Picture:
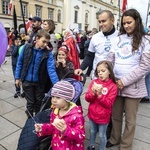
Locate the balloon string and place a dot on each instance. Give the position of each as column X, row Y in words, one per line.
column 19, row 96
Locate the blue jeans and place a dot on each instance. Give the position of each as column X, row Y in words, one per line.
column 14, row 69
column 147, row 82
column 101, row 129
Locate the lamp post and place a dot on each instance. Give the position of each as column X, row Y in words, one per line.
column 147, row 12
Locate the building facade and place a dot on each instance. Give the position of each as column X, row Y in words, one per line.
column 73, row 14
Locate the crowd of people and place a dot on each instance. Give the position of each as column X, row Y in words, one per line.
column 117, row 61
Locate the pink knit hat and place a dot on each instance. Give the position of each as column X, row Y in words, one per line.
column 64, row 90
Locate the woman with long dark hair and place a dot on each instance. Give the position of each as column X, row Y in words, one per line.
column 131, row 58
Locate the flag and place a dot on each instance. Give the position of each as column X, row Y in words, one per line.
column 15, row 20
column 124, row 5
column 9, row 7
column 28, row 23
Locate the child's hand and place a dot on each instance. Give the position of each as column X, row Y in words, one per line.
column 60, row 124
column 38, row 127
column 94, row 89
column 64, row 62
column 97, row 88
column 17, row 82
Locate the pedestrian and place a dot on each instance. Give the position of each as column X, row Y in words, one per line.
column 99, row 49
column 100, row 46
column 66, row 120
column 49, row 26
column 86, row 46
column 64, row 67
column 36, row 68
column 131, row 58
column 101, row 95
column 14, row 56
column 73, row 54
column 36, row 26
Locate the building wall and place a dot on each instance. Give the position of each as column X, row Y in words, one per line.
column 67, row 8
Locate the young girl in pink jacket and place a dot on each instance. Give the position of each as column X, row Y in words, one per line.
column 101, row 95
column 66, row 121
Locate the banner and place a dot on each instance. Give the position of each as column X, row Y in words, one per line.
column 9, row 7
column 124, row 5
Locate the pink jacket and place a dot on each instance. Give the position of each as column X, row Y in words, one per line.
column 74, row 135
column 134, row 82
column 100, row 108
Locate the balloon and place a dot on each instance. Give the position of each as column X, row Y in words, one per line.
column 3, row 43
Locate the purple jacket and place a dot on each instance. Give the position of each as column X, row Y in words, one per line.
column 74, row 135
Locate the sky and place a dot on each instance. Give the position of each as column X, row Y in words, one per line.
column 142, row 7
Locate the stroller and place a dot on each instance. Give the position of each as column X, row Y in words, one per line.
column 28, row 140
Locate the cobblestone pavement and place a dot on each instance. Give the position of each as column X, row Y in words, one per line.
column 12, row 116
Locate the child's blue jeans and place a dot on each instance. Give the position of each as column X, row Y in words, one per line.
column 101, row 129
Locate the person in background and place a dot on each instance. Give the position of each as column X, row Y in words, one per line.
column 64, row 67
column 81, row 45
column 49, row 26
column 36, row 26
column 101, row 95
column 59, row 39
column 14, row 56
column 73, row 54
column 36, row 68
column 86, row 46
column 130, row 55
column 66, row 120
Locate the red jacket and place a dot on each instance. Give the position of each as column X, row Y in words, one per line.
column 100, row 108
column 73, row 55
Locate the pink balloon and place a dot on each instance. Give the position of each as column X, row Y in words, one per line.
column 3, row 43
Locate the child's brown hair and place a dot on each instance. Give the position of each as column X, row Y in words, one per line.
column 43, row 33
column 109, row 66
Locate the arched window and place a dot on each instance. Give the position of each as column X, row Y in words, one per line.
column 59, row 16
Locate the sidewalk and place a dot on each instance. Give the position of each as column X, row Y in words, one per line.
column 12, row 116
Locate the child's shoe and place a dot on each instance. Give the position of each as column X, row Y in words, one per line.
column 22, row 94
column 16, row 94
column 91, row 148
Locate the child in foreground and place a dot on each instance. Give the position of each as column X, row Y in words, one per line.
column 66, row 120
column 101, row 95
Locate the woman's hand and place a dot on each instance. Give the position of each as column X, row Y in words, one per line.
column 120, row 84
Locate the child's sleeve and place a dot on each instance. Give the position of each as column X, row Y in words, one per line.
column 46, row 130
column 19, row 64
column 75, row 132
column 89, row 97
column 52, row 69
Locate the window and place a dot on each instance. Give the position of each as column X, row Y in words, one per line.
column 50, row 14
column 24, row 7
column 59, row 16
column 5, row 4
column 38, row 11
column 86, row 18
column 76, row 16
column 50, row 1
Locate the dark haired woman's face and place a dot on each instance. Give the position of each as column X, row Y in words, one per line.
column 128, row 24
column 46, row 26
